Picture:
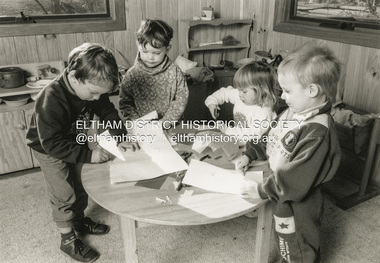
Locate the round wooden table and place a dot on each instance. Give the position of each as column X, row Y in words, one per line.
column 139, row 202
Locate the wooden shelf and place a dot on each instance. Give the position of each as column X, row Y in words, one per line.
column 218, row 22
column 211, row 31
column 362, row 189
column 17, row 91
column 217, row 47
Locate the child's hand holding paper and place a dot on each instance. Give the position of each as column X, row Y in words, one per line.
column 249, row 189
column 125, row 146
column 242, row 163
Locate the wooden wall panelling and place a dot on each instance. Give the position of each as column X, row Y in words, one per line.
column 54, row 53
column 64, row 45
column 31, row 46
column 185, row 10
column 364, row 91
column 2, row 51
column 174, row 16
column 90, row 38
column 157, row 8
column 169, row 13
column 230, row 9
column 10, row 51
column 22, row 49
column 42, row 48
column 371, row 79
column 261, row 30
column 71, row 41
column 136, row 13
column 122, row 44
column 80, row 38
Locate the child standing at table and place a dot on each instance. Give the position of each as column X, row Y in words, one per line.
column 69, row 100
column 154, row 82
column 303, row 154
column 253, row 96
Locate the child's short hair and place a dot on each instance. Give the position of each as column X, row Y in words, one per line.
column 261, row 78
column 157, row 33
column 93, row 62
column 314, row 64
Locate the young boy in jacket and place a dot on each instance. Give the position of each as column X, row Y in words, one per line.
column 303, row 152
column 63, row 110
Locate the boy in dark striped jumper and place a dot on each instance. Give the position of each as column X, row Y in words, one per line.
column 302, row 150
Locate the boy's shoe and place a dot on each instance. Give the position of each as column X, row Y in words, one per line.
column 87, row 226
column 79, row 251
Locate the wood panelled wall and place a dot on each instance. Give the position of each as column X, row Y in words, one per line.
column 360, row 82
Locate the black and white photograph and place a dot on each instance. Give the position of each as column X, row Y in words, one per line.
column 190, row 131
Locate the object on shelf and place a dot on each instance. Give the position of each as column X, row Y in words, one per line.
column 263, row 55
column 38, row 84
column 17, row 100
column 353, row 127
column 234, row 35
column 227, row 40
column 184, row 64
column 200, row 74
column 208, row 13
column 11, row 77
column 46, row 72
column 244, row 61
column 32, row 79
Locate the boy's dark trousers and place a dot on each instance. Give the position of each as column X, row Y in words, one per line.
column 68, row 198
column 297, row 228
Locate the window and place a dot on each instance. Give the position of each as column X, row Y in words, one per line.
column 352, row 22
column 35, row 17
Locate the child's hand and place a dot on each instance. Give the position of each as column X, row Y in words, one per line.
column 249, row 190
column 124, row 146
column 99, row 155
column 242, row 163
column 214, row 110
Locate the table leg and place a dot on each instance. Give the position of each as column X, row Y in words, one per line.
column 263, row 233
column 128, row 231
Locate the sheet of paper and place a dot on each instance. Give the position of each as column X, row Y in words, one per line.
column 106, row 141
column 207, row 200
column 213, row 178
column 110, row 145
column 155, row 158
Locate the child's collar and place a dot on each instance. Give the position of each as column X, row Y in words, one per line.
column 310, row 112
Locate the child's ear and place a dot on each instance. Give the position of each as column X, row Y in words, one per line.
column 71, row 75
column 168, row 48
column 313, row 90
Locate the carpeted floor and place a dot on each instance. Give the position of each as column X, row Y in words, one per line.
column 27, row 233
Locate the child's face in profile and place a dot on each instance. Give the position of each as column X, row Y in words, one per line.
column 248, row 96
column 152, row 56
column 295, row 95
column 90, row 91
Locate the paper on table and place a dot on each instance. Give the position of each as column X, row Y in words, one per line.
column 212, row 178
column 155, row 158
column 110, row 145
column 106, row 141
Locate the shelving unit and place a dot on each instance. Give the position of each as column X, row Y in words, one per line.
column 31, row 70
column 193, row 32
column 352, row 184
